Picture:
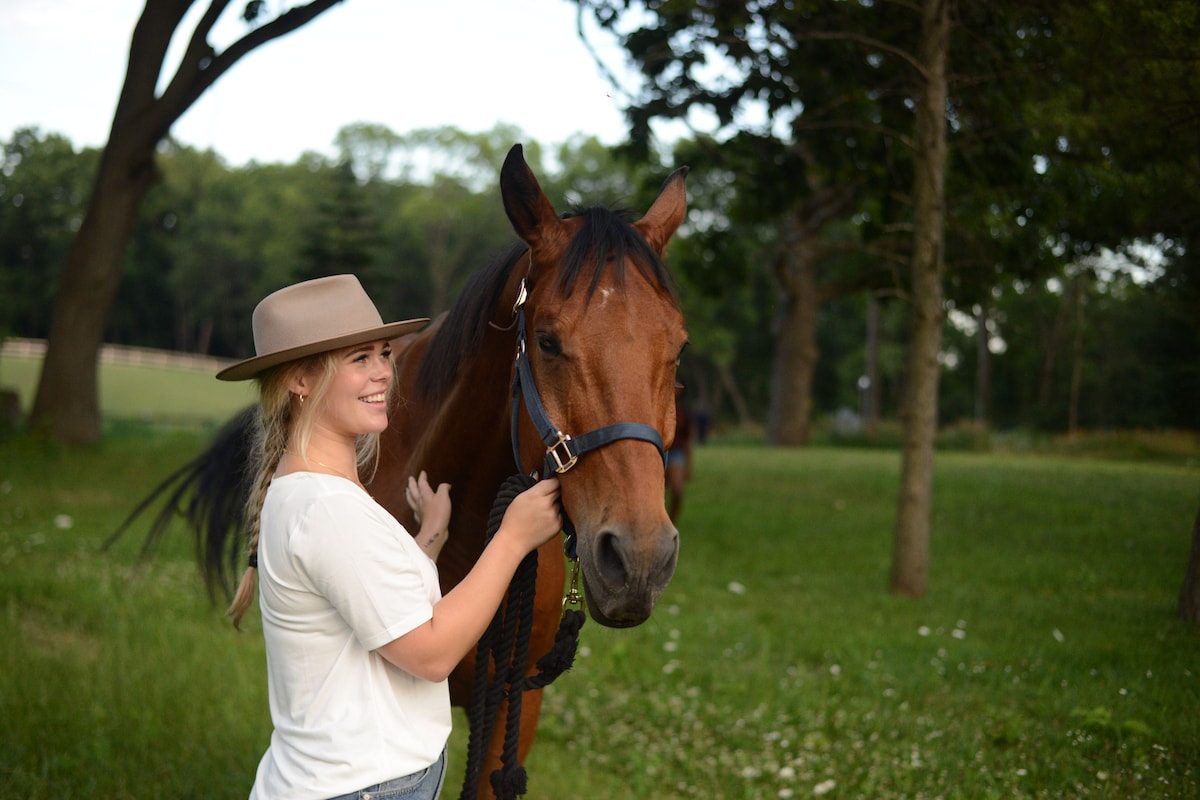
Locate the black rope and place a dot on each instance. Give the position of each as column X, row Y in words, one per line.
column 503, row 651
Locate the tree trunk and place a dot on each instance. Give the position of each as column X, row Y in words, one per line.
column 983, row 368
column 1077, row 290
column 872, row 392
column 1189, row 595
column 67, row 403
column 1049, row 357
column 796, row 353
column 729, row 384
column 910, row 555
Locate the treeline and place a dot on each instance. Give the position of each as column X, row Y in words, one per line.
column 1109, row 340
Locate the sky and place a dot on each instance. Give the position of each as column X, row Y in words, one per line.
column 407, row 65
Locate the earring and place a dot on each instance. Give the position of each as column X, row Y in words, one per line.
column 301, row 399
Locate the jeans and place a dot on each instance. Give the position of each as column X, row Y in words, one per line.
column 423, row 785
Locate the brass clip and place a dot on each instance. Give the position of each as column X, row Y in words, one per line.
column 573, row 597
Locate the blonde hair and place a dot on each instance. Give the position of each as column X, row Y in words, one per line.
column 284, row 418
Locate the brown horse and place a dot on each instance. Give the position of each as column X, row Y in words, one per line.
column 605, row 333
column 602, row 333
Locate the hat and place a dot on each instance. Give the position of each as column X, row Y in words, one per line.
column 313, row 317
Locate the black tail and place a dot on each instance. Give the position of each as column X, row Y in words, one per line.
column 210, row 493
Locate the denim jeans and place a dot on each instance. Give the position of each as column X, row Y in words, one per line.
column 423, row 785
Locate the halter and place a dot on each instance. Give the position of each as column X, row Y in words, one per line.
column 562, row 450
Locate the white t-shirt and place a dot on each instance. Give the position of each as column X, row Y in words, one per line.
column 338, row 578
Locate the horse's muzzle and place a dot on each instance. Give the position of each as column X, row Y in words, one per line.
column 624, row 573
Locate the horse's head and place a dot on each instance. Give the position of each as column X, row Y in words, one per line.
column 604, row 337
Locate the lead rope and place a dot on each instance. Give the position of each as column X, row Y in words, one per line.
column 503, row 650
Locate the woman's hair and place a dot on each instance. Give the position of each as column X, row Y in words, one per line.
column 286, row 419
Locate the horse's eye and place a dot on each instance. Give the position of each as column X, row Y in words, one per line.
column 549, row 344
column 679, row 357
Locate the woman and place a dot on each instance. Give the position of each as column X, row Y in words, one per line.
column 359, row 640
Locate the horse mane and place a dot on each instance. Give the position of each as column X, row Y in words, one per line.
column 605, row 233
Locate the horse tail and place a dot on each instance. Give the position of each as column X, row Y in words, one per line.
column 210, row 493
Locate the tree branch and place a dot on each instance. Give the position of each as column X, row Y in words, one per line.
column 202, row 66
column 869, row 41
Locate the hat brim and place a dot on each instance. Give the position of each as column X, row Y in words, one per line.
column 248, row 368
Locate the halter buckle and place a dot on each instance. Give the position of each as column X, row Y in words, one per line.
column 561, row 463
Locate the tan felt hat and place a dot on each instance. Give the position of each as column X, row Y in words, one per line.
column 313, row 317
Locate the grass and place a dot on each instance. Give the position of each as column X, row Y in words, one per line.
column 1046, row 660
column 140, row 393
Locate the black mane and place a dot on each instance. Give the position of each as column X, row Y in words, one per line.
column 605, row 234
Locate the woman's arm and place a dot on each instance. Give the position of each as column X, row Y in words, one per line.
column 432, row 650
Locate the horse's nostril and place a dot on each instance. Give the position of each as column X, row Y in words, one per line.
column 667, row 555
column 610, row 559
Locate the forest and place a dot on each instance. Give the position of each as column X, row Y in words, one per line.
column 1071, row 278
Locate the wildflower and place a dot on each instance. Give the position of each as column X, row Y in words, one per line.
column 736, row 587
column 1058, row 636
column 824, row 787
column 923, row 630
column 958, row 633
column 63, row 522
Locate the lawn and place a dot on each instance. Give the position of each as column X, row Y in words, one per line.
column 1046, row 660
column 132, row 392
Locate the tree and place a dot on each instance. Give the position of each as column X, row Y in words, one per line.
column 910, row 553
column 66, row 405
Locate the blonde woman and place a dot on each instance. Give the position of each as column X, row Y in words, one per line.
column 359, row 640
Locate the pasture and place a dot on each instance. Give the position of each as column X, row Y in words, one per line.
column 1046, row 661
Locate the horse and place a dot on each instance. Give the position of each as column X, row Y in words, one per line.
column 586, row 300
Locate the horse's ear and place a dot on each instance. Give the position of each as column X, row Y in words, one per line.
column 529, row 210
column 666, row 215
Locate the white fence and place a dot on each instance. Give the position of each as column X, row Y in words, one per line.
column 121, row 354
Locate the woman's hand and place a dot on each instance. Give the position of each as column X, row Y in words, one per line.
column 432, row 510
column 533, row 517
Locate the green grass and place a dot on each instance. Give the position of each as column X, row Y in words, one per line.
column 1046, row 660
column 128, row 392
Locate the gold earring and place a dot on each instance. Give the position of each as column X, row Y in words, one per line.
column 301, row 399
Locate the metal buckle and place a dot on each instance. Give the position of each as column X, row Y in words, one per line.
column 562, row 464
column 573, row 597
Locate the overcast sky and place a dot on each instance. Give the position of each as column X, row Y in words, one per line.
column 407, row 65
